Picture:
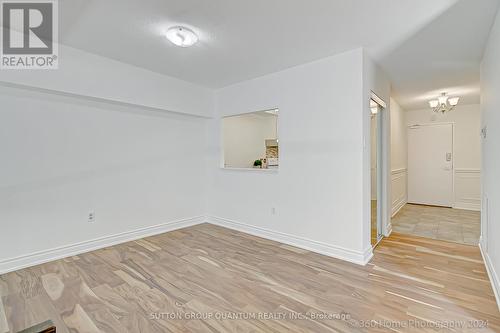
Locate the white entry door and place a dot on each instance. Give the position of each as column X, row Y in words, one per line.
column 430, row 164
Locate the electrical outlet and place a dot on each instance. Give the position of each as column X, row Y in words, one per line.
column 91, row 217
column 273, row 210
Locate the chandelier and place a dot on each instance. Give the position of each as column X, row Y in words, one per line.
column 443, row 103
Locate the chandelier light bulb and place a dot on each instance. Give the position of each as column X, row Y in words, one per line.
column 454, row 101
column 442, row 99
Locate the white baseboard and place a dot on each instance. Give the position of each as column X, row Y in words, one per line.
column 398, row 206
column 467, row 206
column 492, row 274
column 37, row 258
column 360, row 258
column 388, row 230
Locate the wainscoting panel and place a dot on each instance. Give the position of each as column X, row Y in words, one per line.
column 399, row 189
column 468, row 189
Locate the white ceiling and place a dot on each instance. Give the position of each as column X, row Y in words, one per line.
column 239, row 39
column 443, row 56
column 424, row 45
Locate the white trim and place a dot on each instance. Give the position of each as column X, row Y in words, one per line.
column 378, row 100
column 98, row 100
column 37, row 258
column 492, row 274
column 467, row 201
column 357, row 257
column 275, row 170
column 398, row 171
column 398, row 207
column 388, row 230
column 473, row 206
column 453, row 153
column 400, row 202
column 468, row 170
column 383, row 176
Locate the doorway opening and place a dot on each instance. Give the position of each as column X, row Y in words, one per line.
column 436, row 193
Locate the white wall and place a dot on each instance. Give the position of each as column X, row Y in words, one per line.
column 317, row 191
column 490, row 100
column 399, row 157
column 467, row 148
column 96, row 134
column 93, row 76
column 71, row 150
column 244, row 138
column 63, row 157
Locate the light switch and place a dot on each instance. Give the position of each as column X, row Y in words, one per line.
column 484, row 132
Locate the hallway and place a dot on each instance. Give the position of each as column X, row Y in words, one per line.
column 447, row 224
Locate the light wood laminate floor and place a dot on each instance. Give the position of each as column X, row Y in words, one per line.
column 215, row 271
column 448, row 224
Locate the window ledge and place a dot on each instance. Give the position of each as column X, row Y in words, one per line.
column 251, row 169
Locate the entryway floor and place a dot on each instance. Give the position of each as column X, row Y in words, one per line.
column 448, row 224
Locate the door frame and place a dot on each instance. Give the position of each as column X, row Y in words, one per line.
column 384, row 168
column 452, row 151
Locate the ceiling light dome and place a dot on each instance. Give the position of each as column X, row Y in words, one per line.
column 182, row 36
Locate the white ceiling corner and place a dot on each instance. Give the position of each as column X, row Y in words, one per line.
column 444, row 56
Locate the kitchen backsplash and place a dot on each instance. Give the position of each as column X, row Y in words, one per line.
column 271, row 152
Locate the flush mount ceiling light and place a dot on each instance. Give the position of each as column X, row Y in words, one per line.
column 444, row 103
column 182, row 36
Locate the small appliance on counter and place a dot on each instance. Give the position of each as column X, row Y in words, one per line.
column 272, row 163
